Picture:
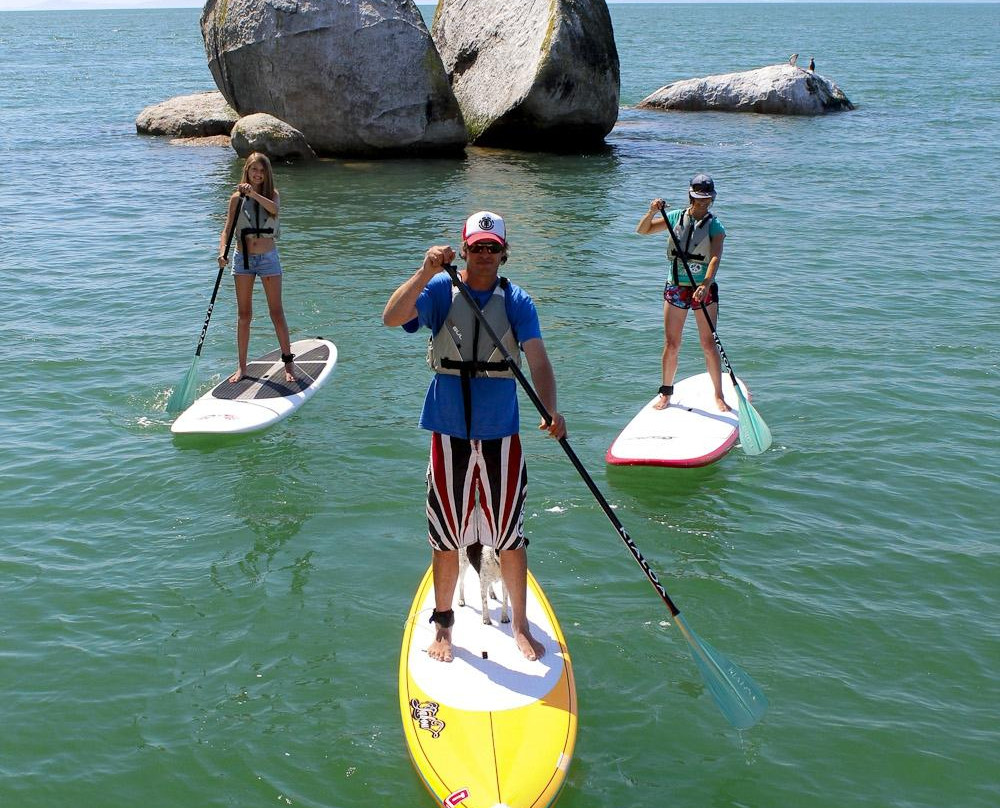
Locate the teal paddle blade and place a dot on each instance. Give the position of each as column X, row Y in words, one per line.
column 184, row 393
column 755, row 437
column 738, row 696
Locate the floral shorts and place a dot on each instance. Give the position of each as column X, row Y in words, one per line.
column 683, row 296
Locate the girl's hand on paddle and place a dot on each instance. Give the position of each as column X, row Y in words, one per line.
column 436, row 257
column 222, row 261
column 700, row 291
column 557, row 429
column 245, row 188
column 656, row 205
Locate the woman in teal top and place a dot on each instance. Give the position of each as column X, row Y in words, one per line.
column 700, row 235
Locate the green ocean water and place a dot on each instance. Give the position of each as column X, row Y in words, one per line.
column 218, row 623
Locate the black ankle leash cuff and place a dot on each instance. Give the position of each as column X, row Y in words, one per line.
column 666, row 389
column 287, row 357
column 445, row 619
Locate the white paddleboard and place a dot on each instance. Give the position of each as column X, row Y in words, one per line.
column 262, row 397
column 690, row 432
column 489, row 729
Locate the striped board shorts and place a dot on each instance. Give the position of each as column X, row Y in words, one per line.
column 475, row 493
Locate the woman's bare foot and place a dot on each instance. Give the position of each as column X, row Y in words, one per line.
column 720, row 402
column 662, row 402
column 440, row 649
column 239, row 374
column 528, row 645
column 289, row 375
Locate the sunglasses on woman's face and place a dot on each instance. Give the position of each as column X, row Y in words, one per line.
column 485, row 247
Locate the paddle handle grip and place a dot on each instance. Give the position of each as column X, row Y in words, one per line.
column 452, row 270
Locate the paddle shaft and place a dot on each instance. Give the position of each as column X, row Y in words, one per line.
column 704, row 308
column 563, row 442
column 218, row 278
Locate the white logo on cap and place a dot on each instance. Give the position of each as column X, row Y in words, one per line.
column 486, row 223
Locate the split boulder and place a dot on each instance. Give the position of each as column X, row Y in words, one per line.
column 531, row 74
column 198, row 115
column 266, row 134
column 354, row 76
column 777, row 90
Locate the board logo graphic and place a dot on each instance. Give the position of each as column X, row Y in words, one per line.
column 455, row 798
column 425, row 714
column 486, row 223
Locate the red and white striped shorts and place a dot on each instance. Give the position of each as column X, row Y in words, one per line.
column 475, row 493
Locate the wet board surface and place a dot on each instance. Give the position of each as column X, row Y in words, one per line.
column 262, row 397
column 490, row 728
column 690, row 432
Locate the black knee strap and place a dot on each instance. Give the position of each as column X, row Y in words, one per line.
column 445, row 619
column 666, row 389
column 287, row 357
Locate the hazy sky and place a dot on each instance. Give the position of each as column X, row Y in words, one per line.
column 15, row 5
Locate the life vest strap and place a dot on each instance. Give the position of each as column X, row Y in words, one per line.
column 256, row 232
column 474, row 366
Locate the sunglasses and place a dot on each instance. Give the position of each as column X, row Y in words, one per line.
column 485, row 247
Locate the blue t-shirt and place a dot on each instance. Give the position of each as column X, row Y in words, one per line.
column 494, row 401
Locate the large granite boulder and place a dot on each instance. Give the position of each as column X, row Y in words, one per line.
column 354, row 76
column 264, row 133
column 531, row 74
column 198, row 115
column 777, row 89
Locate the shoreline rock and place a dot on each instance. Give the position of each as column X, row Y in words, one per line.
column 265, row 133
column 188, row 116
column 776, row 90
column 539, row 74
column 355, row 78
column 209, row 140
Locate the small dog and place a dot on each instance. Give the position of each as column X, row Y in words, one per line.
column 486, row 562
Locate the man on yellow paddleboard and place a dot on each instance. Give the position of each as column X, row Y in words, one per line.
column 476, row 475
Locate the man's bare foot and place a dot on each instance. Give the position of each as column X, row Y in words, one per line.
column 528, row 645
column 720, row 402
column 239, row 374
column 440, row 649
column 662, row 402
column 289, row 375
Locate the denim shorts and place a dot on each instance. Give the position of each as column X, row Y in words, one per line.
column 266, row 264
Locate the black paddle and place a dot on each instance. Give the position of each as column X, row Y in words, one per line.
column 755, row 437
column 737, row 695
column 182, row 397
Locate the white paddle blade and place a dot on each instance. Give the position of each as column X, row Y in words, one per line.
column 755, row 437
column 737, row 695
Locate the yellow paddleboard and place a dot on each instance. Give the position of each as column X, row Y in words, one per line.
column 490, row 729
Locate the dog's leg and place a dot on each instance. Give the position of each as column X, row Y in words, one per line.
column 463, row 564
column 505, row 600
column 484, row 591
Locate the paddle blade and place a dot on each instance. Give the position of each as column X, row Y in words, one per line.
column 755, row 437
column 739, row 697
column 184, row 393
